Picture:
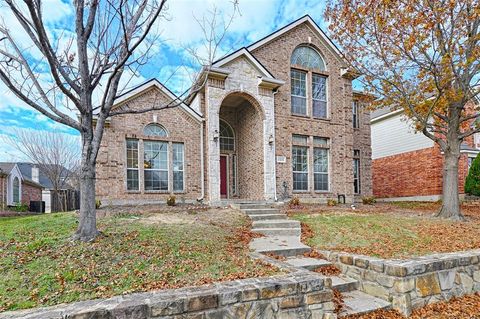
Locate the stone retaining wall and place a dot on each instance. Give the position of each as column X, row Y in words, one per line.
column 413, row 283
column 299, row 295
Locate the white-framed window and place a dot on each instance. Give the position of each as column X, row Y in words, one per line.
column 16, row 190
column 356, row 172
column 155, row 129
column 298, row 91
column 308, row 58
column 356, row 118
column 155, row 162
column 227, row 137
column 476, row 140
column 132, row 165
column 306, row 66
column 320, row 164
column 319, row 95
column 178, row 167
column 300, row 168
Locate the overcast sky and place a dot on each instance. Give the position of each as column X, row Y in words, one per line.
column 256, row 19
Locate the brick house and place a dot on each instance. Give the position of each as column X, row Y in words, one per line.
column 15, row 188
column 407, row 165
column 275, row 119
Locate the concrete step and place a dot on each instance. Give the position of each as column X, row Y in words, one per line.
column 357, row 302
column 276, row 224
column 280, row 245
column 278, row 231
column 268, row 217
column 343, row 283
column 259, row 211
column 307, row 262
column 253, row 206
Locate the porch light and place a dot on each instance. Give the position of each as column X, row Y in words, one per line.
column 215, row 135
column 270, row 139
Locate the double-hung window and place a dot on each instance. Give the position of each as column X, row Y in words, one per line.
column 299, row 92
column 178, row 166
column 356, row 171
column 319, row 96
column 320, row 164
column 132, row 165
column 356, row 119
column 156, row 165
column 308, row 86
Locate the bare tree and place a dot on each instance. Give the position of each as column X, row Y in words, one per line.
column 55, row 154
column 109, row 38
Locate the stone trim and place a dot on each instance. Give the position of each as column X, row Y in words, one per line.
column 416, row 282
column 298, row 295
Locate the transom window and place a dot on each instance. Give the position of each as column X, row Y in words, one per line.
column 227, row 138
column 308, row 89
column 308, row 58
column 155, row 130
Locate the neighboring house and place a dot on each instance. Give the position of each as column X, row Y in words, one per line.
column 408, row 165
column 276, row 119
column 15, row 188
column 37, row 174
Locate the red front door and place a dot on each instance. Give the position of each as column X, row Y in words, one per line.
column 223, row 176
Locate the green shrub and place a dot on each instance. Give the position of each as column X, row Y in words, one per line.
column 472, row 182
column 98, row 204
column 368, row 200
column 332, row 202
column 171, row 200
column 21, row 208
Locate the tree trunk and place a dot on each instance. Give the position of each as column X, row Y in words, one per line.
column 451, row 201
column 87, row 221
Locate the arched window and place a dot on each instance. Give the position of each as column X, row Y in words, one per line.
column 16, row 190
column 307, row 58
column 155, row 130
column 227, row 138
column 305, row 61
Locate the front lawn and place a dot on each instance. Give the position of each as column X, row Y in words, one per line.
column 39, row 265
column 386, row 231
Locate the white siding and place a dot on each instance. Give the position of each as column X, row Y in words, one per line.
column 395, row 135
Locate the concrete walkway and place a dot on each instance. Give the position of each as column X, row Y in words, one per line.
column 282, row 237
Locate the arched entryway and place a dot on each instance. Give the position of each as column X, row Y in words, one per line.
column 241, row 135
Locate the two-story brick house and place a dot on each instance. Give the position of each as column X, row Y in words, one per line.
column 275, row 119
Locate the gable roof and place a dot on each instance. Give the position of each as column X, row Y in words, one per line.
column 305, row 19
column 245, row 52
column 6, row 168
column 134, row 92
column 26, row 170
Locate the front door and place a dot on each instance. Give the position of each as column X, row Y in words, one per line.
column 223, row 177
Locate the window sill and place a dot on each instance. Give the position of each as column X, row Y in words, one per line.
column 301, row 192
column 326, row 119
column 323, row 192
column 305, row 116
column 133, row 192
column 157, row 192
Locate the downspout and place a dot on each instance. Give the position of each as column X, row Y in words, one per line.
column 202, row 171
column 274, row 152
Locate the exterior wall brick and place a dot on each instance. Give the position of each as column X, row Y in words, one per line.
column 417, row 173
column 275, row 56
column 30, row 193
column 111, row 161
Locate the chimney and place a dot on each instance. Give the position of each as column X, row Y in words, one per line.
column 35, row 174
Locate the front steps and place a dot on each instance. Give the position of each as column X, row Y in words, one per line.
column 282, row 238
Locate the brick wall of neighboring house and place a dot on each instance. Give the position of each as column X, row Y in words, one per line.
column 275, row 56
column 31, row 192
column 111, row 162
column 417, row 173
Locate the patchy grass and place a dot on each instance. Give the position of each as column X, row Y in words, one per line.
column 466, row 307
column 39, row 265
column 384, row 232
